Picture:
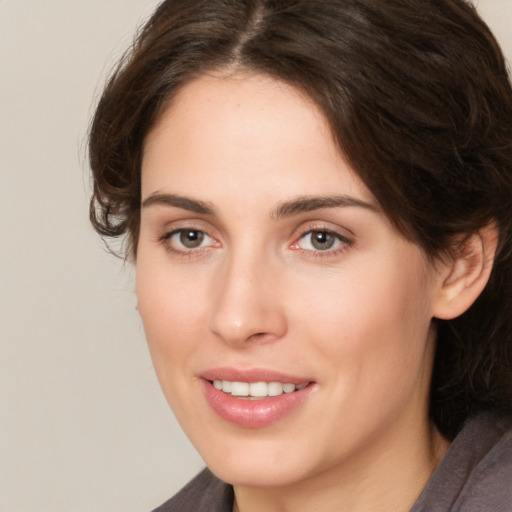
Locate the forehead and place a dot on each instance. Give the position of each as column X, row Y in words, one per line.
column 250, row 106
column 245, row 127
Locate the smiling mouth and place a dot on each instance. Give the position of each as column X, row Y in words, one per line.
column 256, row 390
column 255, row 399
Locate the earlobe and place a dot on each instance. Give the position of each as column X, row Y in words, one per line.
column 467, row 273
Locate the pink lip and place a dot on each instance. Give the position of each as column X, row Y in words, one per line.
column 252, row 375
column 252, row 413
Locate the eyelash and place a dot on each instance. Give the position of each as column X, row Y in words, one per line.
column 166, row 240
column 343, row 243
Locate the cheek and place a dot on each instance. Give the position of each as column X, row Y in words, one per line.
column 370, row 323
column 371, row 346
column 172, row 315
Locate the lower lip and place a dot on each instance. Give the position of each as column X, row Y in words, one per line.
column 253, row 413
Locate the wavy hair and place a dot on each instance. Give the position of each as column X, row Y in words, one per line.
column 418, row 97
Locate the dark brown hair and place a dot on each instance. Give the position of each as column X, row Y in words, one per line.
column 418, row 97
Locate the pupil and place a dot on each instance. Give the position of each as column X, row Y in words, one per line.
column 322, row 240
column 191, row 239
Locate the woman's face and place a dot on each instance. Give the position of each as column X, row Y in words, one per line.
column 265, row 266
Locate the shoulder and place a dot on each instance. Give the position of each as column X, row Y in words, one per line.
column 476, row 472
column 205, row 493
column 489, row 485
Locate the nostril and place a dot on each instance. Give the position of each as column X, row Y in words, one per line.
column 257, row 335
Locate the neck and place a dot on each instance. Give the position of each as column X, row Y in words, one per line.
column 386, row 477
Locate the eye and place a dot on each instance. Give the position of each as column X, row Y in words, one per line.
column 187, row 239
column 321, row 240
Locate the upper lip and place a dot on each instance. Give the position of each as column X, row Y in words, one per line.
column 252, row 375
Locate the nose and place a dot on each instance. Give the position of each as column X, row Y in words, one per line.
column 247, row 306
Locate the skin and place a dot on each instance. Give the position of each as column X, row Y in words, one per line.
column 256, row 292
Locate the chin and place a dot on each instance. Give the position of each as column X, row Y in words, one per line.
column 256, row 473
column 261, row 462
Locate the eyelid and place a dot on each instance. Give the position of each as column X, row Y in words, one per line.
column 166, row 237
column 340, row 231
column 337, row 235
column 165, row 229
column 346, row 240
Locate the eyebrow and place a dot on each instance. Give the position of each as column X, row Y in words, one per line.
column 176, row 201
column 296, row 206
column 311, row 203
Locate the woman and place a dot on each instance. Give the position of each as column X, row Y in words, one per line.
column 316, row 195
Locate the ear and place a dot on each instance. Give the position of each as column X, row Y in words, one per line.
column 465, row 274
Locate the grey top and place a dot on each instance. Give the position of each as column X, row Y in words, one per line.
column 475, row 475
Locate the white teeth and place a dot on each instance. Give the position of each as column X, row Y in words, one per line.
column 275, row 388
column 239, row 388
column 288, row 388
column 257, row 389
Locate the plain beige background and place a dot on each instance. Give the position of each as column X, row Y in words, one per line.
column 83, row 424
